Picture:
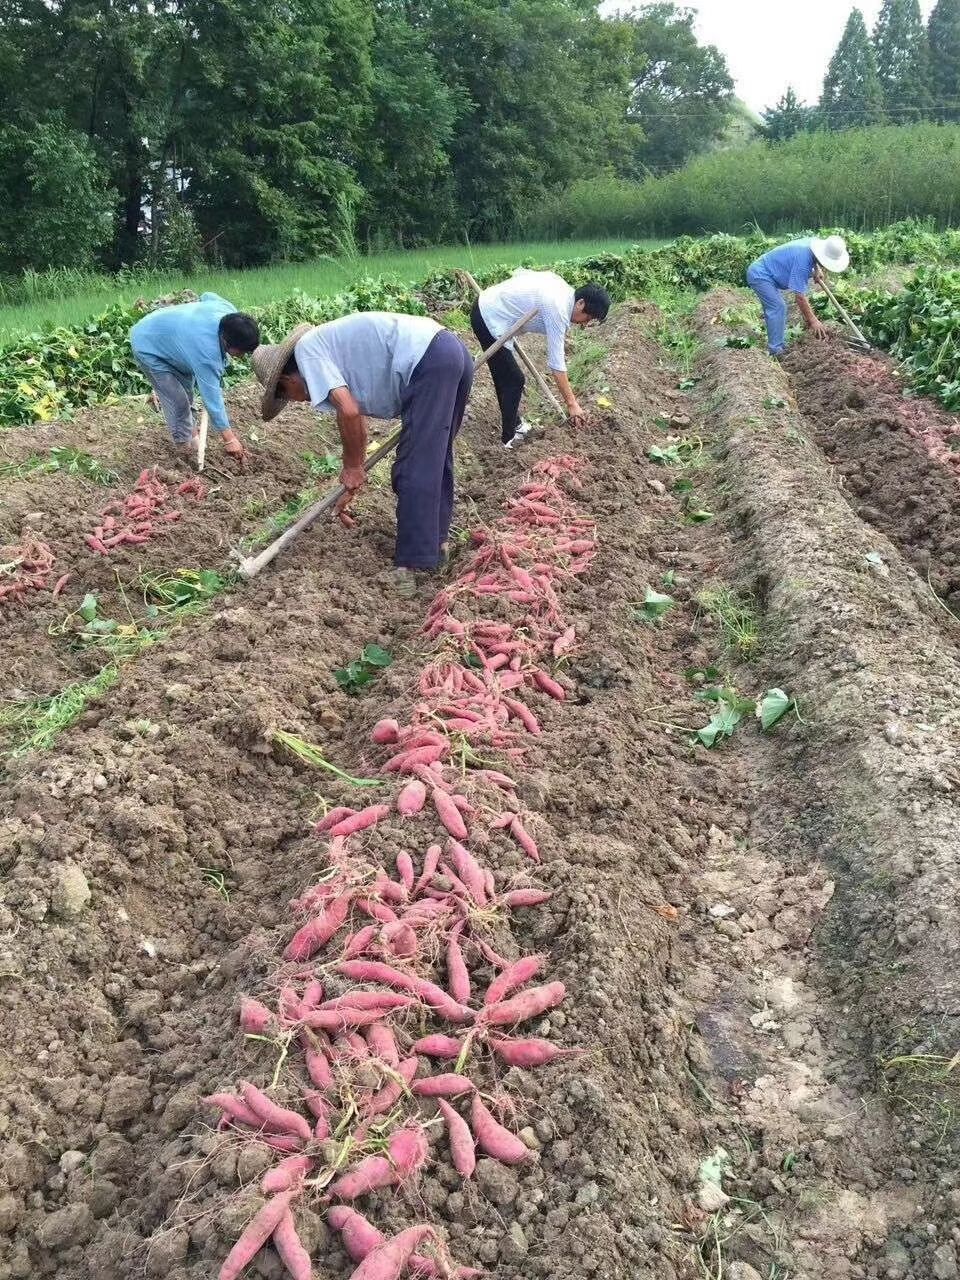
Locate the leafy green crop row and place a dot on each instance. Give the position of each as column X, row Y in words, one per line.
column 51, row 374
column 920, row 326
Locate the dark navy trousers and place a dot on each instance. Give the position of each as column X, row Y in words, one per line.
column 431, row 411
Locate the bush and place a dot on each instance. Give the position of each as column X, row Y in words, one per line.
column 56, row 209
column 861, row 178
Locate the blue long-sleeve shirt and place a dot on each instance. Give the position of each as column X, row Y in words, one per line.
column 187, row 338
column 789, row 266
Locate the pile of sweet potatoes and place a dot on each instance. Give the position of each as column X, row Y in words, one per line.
column 391, row 999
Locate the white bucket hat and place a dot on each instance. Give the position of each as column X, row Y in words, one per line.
column 831, row 253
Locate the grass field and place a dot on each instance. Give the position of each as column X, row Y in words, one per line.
column 69, row 305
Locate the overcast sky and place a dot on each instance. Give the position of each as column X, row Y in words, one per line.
column 770, row 44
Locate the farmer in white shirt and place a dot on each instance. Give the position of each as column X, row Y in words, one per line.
column 380, row 365
column 559, row 306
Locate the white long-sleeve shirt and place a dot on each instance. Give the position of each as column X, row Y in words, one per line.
column 502, row 305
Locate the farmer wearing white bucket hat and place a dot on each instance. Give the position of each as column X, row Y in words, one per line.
column 793, row 267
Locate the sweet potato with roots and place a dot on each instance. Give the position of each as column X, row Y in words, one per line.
column 259, row 1230
column 389, row 1259
column 275, row 1119
column 447, row 1085
column 359, row 1236
column 493, row 1138
column 428, row 992
column 256, row 1019
column 288, row 1244
column 529, row 1052
column 316, row 933
column 528, row 1004
column 438, row 1046
column 362, row 820
column 287, row 1174
column 463, row 1151
column 515, row 975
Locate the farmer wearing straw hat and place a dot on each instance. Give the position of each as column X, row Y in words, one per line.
column 793, row 267
column 380, row 365
column 191, row 344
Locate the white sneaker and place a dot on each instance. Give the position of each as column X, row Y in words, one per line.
column 523, row 429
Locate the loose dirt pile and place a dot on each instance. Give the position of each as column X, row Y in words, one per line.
column 898, row 457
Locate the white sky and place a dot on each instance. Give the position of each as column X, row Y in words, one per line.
column 770, row 44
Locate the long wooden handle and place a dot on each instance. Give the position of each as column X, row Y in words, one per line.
column 848, row 320
column 250, row 566
column 202, row 443
column 545, row 389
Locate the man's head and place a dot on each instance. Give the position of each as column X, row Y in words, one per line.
column 239, row 334
column 290, row 384
column 591, row 302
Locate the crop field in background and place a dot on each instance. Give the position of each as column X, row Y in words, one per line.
column 41, row 299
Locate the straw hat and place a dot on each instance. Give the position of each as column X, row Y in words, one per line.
column 268, row 362
column 831, row 253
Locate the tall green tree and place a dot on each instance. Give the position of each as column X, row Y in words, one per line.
column 943, row 33
column 57, row 210
column 681, row 91
column 788, row 118
column 903, row 61
column 405, row 167
column 852, row 94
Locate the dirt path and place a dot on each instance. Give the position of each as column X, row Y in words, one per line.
column 692, row 897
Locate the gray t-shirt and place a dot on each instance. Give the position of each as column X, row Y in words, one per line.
column 373, row 354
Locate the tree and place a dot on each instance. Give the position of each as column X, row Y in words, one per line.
column 944, row 40
column 57, row 210
column 405, row 167
column 788, row 118
column 903, row 61
column 852, row 95
column 681, row 92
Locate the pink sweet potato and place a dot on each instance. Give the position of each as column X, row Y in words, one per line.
column 391, row 1093
column 256, row 1235
column 546, row 682
column 388, row 1260
column 287, row 1174
column 528, row 1004
column 524, row 839
column 255, row 1018
column 316, row 933
column 312, row 995
column 409, row 761
column 438, row 1046
column 361, row 821
column 528, row 1052
column 318, row 1067
column 360, row 941
column 275, row 1119
column 408, row 1150
column 428, row 992
column 338, row 1020
column 458, row 976
column 382, row 1043
column 431, row 860
column 399, row 940
column 469, row 871
column 515, row 975
column 385, row 731
column 332, row 818
column 371, row 1174
column 405, row 868
column 235, row 1109
column 359, row 1236
column 290, row 1248
column 463, row 1150
column 493, row 1138
column 449, row 814
column 382, row 1000
column 411, row 799
column 448, row 1085
column 526, row 897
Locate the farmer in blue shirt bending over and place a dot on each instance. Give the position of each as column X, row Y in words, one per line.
column 191, row 344
column 794, row 267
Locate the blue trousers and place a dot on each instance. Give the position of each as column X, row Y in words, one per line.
column 774, row 309
column 431, row 411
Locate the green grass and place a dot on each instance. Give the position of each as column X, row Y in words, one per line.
column 737, row 618
column 82, row 296
column 35, row 726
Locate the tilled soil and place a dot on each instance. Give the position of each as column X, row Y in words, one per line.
column 897, row 456
column 190, row 831
column 689, row 903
